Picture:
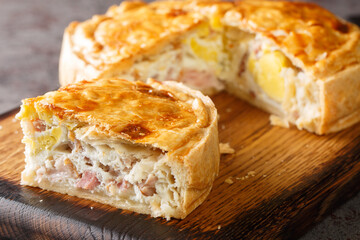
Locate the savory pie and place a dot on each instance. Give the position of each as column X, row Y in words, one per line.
column 295, row 60
column 151, row 148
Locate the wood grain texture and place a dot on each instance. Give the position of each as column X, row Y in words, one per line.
column 284, row 181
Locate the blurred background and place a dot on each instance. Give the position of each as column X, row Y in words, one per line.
column 30, row 42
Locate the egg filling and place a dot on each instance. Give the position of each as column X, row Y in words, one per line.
column 266, row 71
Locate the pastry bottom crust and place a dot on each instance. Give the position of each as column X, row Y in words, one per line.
column 191, row 194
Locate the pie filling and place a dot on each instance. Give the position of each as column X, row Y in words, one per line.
column 75, row 159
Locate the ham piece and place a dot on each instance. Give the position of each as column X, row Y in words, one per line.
column 39, row 125
column 201, row 80
column 123, row 185
column 88, row 181
column 147, row 187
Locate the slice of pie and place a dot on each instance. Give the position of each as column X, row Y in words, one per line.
column 151, row 148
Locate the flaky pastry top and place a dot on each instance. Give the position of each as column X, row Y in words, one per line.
column 311, row 36
column 158, row 115
column 128, row 30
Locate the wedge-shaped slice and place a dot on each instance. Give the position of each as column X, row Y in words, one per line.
column 151, row 148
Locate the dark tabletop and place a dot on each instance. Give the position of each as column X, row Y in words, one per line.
column 30, row 41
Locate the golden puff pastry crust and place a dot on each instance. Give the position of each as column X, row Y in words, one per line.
column 235, row 46
column 151, row 148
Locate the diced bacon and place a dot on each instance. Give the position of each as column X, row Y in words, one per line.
column 57, row 170
column 147, row 188
column 123, row 185
column 88, row 181
column 39, row 125
column 119, row 187
column 201, row 80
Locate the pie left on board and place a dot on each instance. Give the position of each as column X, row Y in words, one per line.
column 147, row 147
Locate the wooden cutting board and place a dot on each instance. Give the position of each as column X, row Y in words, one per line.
column 276, row 185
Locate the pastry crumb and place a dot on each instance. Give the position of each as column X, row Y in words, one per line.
column 91, row 208
column 249, row 174
column 229, row 180
column 219, row 227
column 40, row 200
column 226, row 149
column 264, row 175
column 276, row 121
